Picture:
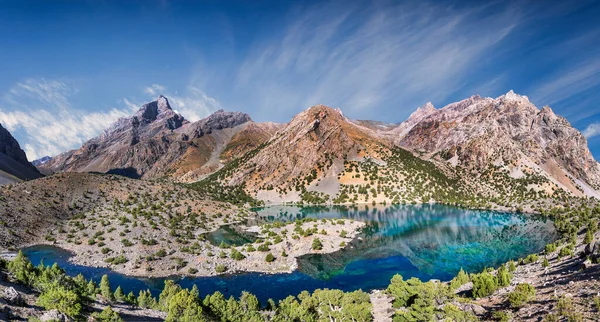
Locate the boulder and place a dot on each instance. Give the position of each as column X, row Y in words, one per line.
column 54, row 315
column 12, row 296
column 469, row 307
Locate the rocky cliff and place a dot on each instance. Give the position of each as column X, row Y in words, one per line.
column 14, row 165
column 508, row 130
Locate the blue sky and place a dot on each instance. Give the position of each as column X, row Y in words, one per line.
column 70, row 68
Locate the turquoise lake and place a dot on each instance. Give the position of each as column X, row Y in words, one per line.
column 424, row 241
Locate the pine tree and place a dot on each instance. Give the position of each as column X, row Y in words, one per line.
column 119, row 294
column 105, row 289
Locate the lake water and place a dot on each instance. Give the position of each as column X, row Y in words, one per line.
column 424, row 241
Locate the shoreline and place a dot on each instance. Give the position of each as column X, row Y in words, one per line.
column 254, row 262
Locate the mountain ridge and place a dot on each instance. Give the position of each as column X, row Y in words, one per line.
column 14, row 165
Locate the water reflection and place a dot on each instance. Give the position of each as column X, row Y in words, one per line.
column 438, row 240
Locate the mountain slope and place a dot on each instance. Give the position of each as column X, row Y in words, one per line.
column 479, row 152
column 510, row 132
column 14, row 165
column 155, row 142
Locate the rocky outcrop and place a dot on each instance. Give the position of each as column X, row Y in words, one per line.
column 155, row 142
column 13, row 161
column 54, row 315
column 479, row 131
column 13, row 297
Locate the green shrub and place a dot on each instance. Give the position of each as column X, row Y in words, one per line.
column 502, row 316
column 59, row 298
column 220, row 268
column 269, row 258
column 316, row 244
column 235, row 254
column 522, row 294
column 565, row 251
column 503, row 276
column 550, row 248
column 460, row 279
column 107, row 315
column 484, row 284
column 532, row 258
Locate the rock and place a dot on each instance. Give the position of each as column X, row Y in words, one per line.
column 12, row 296
column 586, row 264
column 469, row 307
column 54, row 315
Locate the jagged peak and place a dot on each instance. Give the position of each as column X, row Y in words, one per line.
column 150, row 111
column 512, row 96
column 422, row 112
column 547, row 110
column 220, row 113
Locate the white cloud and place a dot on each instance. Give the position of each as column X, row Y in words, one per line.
column 344, row 56
column 154, row 89
column 592, row 130
column 39, row 110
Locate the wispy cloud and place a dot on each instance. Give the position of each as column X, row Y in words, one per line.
column 592, row 130
column 40, row 114
column 40, row 110
column 344, row 56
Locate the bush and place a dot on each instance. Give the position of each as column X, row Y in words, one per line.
column 61, row 299
column 522, row 294
column 269, row 258
column 502, row 316
column 235, row 254
column 484, row 284
column 550, row 248
column 107, row 315
column 503, row 276
column 316, row 244
column 220, row 268
column 263, row 247
column 532, row 258
column 117, row 260
column 460, row 279
column 565, row 251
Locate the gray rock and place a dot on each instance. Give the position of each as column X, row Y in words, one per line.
column 54, row 315
column 469, row 307
column 12, row 296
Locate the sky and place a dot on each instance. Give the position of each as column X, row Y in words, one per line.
column 71, row 68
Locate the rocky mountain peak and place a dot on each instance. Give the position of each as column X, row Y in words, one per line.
column 13, row 159
column 421, row 113
column 511, row 96
column 217, row 121
column 149, row 112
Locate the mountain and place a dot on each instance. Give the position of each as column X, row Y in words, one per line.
column 511, row 132
column 14, row 165
column 155, row 142
column 41, row 161
column 504, row 150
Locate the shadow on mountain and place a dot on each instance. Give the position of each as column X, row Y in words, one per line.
column 130, row 172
